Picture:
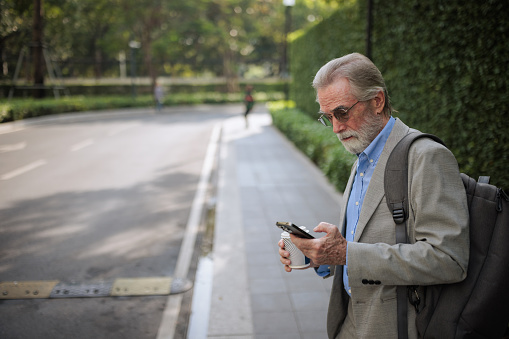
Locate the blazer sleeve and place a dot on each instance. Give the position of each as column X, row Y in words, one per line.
column 437, row 228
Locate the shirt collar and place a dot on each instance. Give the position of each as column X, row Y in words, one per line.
column 376, row 147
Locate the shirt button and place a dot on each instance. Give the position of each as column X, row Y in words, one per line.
column 362, row 174
column 356, row 203
column 350, row 291
column 371, row 161
column 352, row 232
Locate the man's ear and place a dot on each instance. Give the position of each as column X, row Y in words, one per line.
column 379, row 100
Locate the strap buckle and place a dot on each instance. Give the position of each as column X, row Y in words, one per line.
column 398, row 214
column 413, row 297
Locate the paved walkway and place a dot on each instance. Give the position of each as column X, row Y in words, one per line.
column 263, row 178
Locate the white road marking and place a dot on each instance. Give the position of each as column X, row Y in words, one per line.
column 81, row 145
column 13, row 147
column 172, row 310
column 23, row 169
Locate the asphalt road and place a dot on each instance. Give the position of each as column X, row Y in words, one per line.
column 94, row 200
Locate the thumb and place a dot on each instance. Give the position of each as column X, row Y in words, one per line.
column 324, row 227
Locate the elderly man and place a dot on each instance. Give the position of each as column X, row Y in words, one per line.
column 362, row 253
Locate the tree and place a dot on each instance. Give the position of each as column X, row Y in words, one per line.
column 15, row 31
column 150, row 20
column 37, row 47
column 178, row 37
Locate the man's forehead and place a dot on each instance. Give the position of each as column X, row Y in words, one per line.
column 334, row 94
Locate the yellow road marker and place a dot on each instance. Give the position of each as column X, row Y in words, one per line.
column 26, row 289
column 141, row 286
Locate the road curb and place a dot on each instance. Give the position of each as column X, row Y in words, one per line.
column 173, row 305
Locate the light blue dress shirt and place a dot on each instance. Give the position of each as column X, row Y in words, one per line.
column 365, row 168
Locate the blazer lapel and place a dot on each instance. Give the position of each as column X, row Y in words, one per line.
column 346, row 196
column 376, row 192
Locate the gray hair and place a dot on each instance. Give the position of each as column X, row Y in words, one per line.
column 364, row 77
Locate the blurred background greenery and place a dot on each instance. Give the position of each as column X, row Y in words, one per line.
column 446, row 63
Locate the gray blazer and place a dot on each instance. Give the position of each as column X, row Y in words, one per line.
column 437, row 228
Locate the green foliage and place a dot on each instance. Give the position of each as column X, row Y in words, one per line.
column 319, row 143
column 340, row 34
column 450, row 76
column 445, row 64
column 22, row 109
column 170, row 89
column 87, row 38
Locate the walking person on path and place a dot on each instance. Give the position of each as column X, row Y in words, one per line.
column 249, row 102
column 159, row 96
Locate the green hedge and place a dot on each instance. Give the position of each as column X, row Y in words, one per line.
column 446, row 66
column 452, row 78
column 320, row 144
column 18, row 109
column 341, row 34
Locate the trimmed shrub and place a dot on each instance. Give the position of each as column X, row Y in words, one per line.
column 18, row 109
column 320, row 144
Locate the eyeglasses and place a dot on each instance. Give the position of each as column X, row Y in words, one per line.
column 340, row 113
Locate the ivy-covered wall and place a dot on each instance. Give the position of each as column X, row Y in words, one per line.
column 446, row 66
column 340, row 34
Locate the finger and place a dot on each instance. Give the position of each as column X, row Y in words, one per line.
column 284, row 253
column 285, row 261
column 281, row 243
column 288, row 268
column 295, row 239
column 324, row 227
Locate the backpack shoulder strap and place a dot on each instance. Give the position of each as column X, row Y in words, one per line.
column 396, row 195
column 396, row 179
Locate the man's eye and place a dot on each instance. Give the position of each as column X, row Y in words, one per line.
column 340, row 112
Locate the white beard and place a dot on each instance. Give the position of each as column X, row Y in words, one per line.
column 372, row 126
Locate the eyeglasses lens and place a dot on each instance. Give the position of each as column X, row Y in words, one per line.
column 325, row 121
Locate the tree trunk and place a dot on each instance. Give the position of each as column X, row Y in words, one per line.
column 37, row 34
column 229, row 72
column 98, row 59
column 146, row 46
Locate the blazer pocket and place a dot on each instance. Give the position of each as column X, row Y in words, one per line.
column 388, row 294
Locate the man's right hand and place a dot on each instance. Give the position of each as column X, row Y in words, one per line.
column 285, row 261
column 284, row 256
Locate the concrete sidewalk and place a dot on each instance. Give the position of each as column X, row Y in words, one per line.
column 263, row 178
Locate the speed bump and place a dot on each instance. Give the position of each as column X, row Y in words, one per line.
column 121, row 287
column 26, row 289
column 141, row 286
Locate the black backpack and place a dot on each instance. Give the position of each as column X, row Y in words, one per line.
column 477, row 307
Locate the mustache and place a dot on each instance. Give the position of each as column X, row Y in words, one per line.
column 347, row 134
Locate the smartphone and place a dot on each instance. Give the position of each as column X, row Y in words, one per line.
column 293, row 229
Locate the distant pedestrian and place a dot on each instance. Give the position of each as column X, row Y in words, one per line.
column 159, row 96
column 248, row 101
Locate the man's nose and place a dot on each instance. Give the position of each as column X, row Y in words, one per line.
column 337, row 127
